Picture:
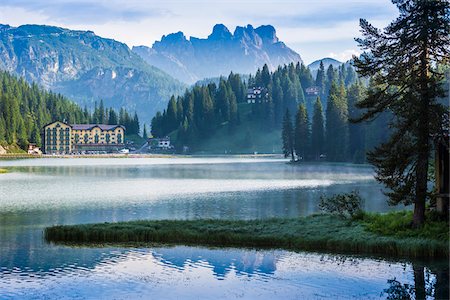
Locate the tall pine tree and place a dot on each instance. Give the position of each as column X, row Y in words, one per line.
column 402, row 61
column 301, row 132
column 337, row 123
column 287, row 136
column 317, row 131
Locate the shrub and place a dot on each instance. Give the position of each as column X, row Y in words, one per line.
column 348, row 205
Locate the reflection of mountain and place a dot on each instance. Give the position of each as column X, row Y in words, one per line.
column 221, row 261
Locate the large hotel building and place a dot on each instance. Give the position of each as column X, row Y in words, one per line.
column 62, row 138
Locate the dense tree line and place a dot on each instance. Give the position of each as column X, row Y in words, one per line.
column 199, row 112
column 330, row 135
column 203, row 109
column 25, row 109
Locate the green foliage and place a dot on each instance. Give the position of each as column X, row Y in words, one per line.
column 95, row 68
column 399, row 225
column 197, row 116
column 321, row 79
column 287, row 136
column 301, row 132
column 403, row 63
column 357, row 132
column 347, row 205
column 314, row 233
column 25, row 109
column 337, row 123
column 317, row 131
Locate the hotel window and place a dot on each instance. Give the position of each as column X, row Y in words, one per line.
column 96, row 138
column 86, row 138
column 108, row 138
column 119, row 138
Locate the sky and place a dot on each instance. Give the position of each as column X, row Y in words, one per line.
column 314, row 29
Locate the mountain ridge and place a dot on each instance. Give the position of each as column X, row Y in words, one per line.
column 243, row 51
column 85, row 67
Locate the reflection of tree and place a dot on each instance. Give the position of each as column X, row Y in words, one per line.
column 398, row 290
column 427, row 283
column 244, row 262
column 441, row 288
column 419, row 281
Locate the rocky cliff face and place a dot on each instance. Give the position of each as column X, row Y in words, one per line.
column 243, row 51
column 85, row 67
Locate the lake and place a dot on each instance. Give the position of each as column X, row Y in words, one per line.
column 41, row 192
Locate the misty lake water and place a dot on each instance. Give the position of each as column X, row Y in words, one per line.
column 41, row 192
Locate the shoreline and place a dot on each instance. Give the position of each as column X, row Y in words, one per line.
column 319, row 233
column 143, row 155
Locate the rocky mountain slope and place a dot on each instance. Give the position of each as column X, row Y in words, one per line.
column 243, row 51
column 85, row 67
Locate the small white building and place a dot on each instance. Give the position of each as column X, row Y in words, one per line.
column 257, row 95
column 34, row 150
column 159, row 143
column 312, row 90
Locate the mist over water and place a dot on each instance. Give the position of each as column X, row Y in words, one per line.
column 42, row 192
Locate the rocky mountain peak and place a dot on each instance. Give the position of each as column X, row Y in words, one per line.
column 220, row 32
column 267, row 33
column 246, row 50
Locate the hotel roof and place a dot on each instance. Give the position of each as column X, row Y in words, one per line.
column 90, row 126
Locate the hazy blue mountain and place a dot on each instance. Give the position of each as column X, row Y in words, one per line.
column 243, row 51
column 85, row 67
column 327, row 61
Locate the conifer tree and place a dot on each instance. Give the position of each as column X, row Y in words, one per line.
column 277, row 98
column 356, row 132
column 337, row 123
column 172, row 123
column 321, row 79
column 287, row 136
column 301, row 132
column 402, row 61
column 112, row 117
column 317, row 130
column 265, row 76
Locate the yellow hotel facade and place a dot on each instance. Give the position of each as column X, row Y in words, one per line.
column 62, row 138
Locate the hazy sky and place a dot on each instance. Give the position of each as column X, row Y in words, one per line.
column 315, row 29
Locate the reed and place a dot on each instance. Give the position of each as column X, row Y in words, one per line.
column 314, row 233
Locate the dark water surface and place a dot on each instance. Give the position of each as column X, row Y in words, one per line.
column 43, row 192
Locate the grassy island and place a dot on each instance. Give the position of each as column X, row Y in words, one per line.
column 2, row 171
column 373, row 234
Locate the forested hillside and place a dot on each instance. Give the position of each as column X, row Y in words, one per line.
column 209, row 114
column 25, row 109
column 85, row 67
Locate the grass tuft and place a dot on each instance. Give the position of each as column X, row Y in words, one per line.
column 314, row 233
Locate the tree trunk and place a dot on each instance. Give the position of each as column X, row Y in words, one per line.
column 419, row 282
column 423, row 132
column 422, row 166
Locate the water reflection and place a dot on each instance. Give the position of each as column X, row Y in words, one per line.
column 222, row 262
column 191, row 272
column 44, row 192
